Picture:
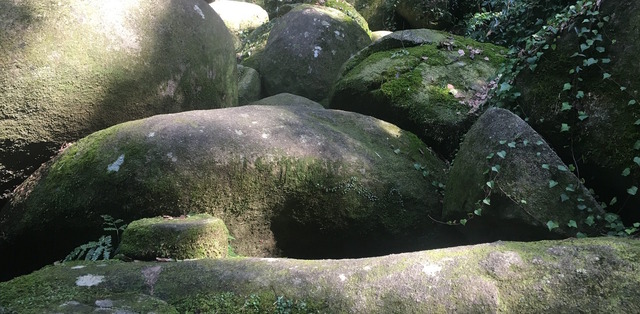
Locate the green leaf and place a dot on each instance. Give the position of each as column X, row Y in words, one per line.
column 478, row 212
column 396, row 151
column 495, row 168
column 564, row 128
column 490, row 156
column 636, row 145
column 487, row 201
column 463, row 222
column 567, row 86
column 632, row 190
column 580, row 235
column 636, row 160
column 525, row 142
column 570, row 188
column 623, row 88
column 545, row 166
column 417, row 166
column 582, row 115
column 505, row 87
column 590, row 220
column 552, row 225
column 539, row 143
column 501, row 154
column 566, row 106
column 605, row 60
column 589, row 62
column 490, row 184
column 564, row 197
column 552, row 183
column 572, row 224
column 613, row 201
column 581, row 207
column 637, row 122
column 636, row 224
column 584, row 47
column 562, row 168
column 512, row 144
column 606, row 76
column 626, row 172
column 523, row 201
column 502, row 142
column 580, row 94
column 600, row 49
column 631, row 102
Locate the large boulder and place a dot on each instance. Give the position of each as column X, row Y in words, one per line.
column 510, row 185
column 249, row 85
column 240, row 17
column 286, row 180
column 596, row 275
column 591, row 117
column 74, row 67
column 306, row 49
column 426, row 81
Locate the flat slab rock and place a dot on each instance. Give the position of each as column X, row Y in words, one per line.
column 568, row 276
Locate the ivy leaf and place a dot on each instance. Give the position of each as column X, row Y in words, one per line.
column 580, row 94
column 478, row 212
column 512, row 144
column 572, row 224
column 581, row 207
column 636, row 160
column 463, row 222
column 567, row 86
column 626, row 172
column 637, row 122
column 590, row 220
column 502, row 142
column 525, row 142
column 613, row 201
column 631, row 102
column 582, row 115
column 552, row 225
column 505, row 87
column 487, row 201
column 495, row 168
column 490, row 184
column 564, row 197
column 632, row 190
column 636, row 145
column 566, row 106
column 605, row 60
column 396, row 151
column 606, row 76
column 589, row 62
column 545, row 166
column 501, row 154
column 562, row 168
column 552, row 183
column 541, row 142
column 570, row 188
column 580, row 235
column 564, row 128
column 600, row 49
column 417, row 166
column 490, row 156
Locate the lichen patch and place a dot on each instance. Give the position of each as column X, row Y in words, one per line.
column 115, row 166
column 89, row 280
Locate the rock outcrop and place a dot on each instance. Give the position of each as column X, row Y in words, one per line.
column 594, row 275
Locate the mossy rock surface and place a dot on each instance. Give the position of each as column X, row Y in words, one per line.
column 595, row 275
column 286, row 180
column 198, row 236
column 603, row 132
column 432, row 14
column 249, row 85
column 306, row 49
column 425, row 81
column 74, row 67
column 509, row 173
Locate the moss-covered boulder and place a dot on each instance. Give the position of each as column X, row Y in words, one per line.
column 306, row 49
column 596, row 275
column 425, row 81
column 598, row 106
column 286, row 99
column 74, row 67
column 249, row 85
column 241, row 18
column 288, row 180
column 510, row 185
column 185, row 237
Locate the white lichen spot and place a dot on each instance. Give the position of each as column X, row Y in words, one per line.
column 367, row 268
column 333, row 52
column 269, row 259
column 78, row 267
column 115, row 166
column 197, row 9
column 104, row 304
column 170, row 156
column 254, row 122
column 239, row 132
column 325, row 23
column 316, row 51
column 89, row 280
column 342, row 277
column 431, row 269
column 306, row 34
column 152, row 134
column 265, row 135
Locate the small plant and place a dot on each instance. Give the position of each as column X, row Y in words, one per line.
column 101, row 249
